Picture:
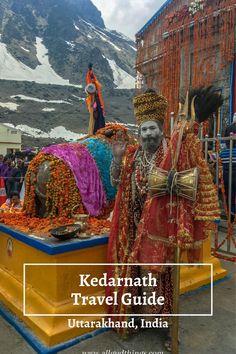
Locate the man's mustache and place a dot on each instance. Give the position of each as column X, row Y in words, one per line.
column 150, row 139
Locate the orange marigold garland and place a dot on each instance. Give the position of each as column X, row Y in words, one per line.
column 62, row 198
column 41, row 226
column 190, row 48
column 101, row 133
column 38, row 226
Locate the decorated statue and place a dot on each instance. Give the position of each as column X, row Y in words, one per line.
column 73, row 177
column 166, row 198
column 94, row 102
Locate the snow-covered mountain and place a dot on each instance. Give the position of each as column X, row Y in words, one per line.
column 13, row 69
column 52, row 41
column 45, row 49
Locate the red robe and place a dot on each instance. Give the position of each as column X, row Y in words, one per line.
column 189, row 223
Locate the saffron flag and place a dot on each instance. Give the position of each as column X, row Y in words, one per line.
column 91, row 79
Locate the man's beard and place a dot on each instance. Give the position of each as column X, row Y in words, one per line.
column 151, row 144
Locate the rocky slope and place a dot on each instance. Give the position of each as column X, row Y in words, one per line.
column 45, row 48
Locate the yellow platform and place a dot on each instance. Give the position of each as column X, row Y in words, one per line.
column 49, row 288
column 193, row 277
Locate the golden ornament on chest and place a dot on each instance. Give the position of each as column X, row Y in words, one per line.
column 183, row 183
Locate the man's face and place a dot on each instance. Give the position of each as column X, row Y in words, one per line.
column 150, row 136
column 15, row 200
column 8, row 162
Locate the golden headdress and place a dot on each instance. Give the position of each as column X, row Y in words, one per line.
column 149, row 106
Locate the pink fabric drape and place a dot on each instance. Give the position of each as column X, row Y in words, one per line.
column 85, row 172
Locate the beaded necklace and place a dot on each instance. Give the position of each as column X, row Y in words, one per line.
column 143, row 165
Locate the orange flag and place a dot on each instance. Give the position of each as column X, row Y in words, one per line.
column 91, row 79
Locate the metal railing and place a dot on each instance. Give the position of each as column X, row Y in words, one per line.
column 225, row 230
column 225, row 236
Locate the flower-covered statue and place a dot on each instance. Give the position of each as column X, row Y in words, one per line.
column 73, row 177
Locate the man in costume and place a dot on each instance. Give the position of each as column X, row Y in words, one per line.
column 181, row 204
column 181, row 214
column 130, row 168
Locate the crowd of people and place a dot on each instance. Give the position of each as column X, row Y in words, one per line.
column 13, row 168
column 13, row 172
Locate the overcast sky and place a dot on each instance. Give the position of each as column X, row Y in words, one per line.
column 127, row 16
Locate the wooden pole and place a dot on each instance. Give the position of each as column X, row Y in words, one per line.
column 218, row 121
column 91, row 117
column 175, row 322
column 172, row 121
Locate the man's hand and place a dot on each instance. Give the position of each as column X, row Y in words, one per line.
column 118, row 150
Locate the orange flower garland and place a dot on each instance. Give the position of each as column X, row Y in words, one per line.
column 62, row 198
column 41, row 226
column 101, row 133
column 179, row 50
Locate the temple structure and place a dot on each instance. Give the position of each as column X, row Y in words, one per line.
column 188, row 44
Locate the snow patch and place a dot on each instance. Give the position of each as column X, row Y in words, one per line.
column 102, row 35
column 9, row 105
column 76, row 27
column 11, row 69
column 37, row 133
column 70, row 44
column 88, row 35
column 55, row 133
column 26, row 50
column 46, row 109
column 106, row 40
column 88, row 23
column 62, row 132
column 28, row 98
column 80, row 98
column 135, row 49
column 9, row 125
column 122, row 79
